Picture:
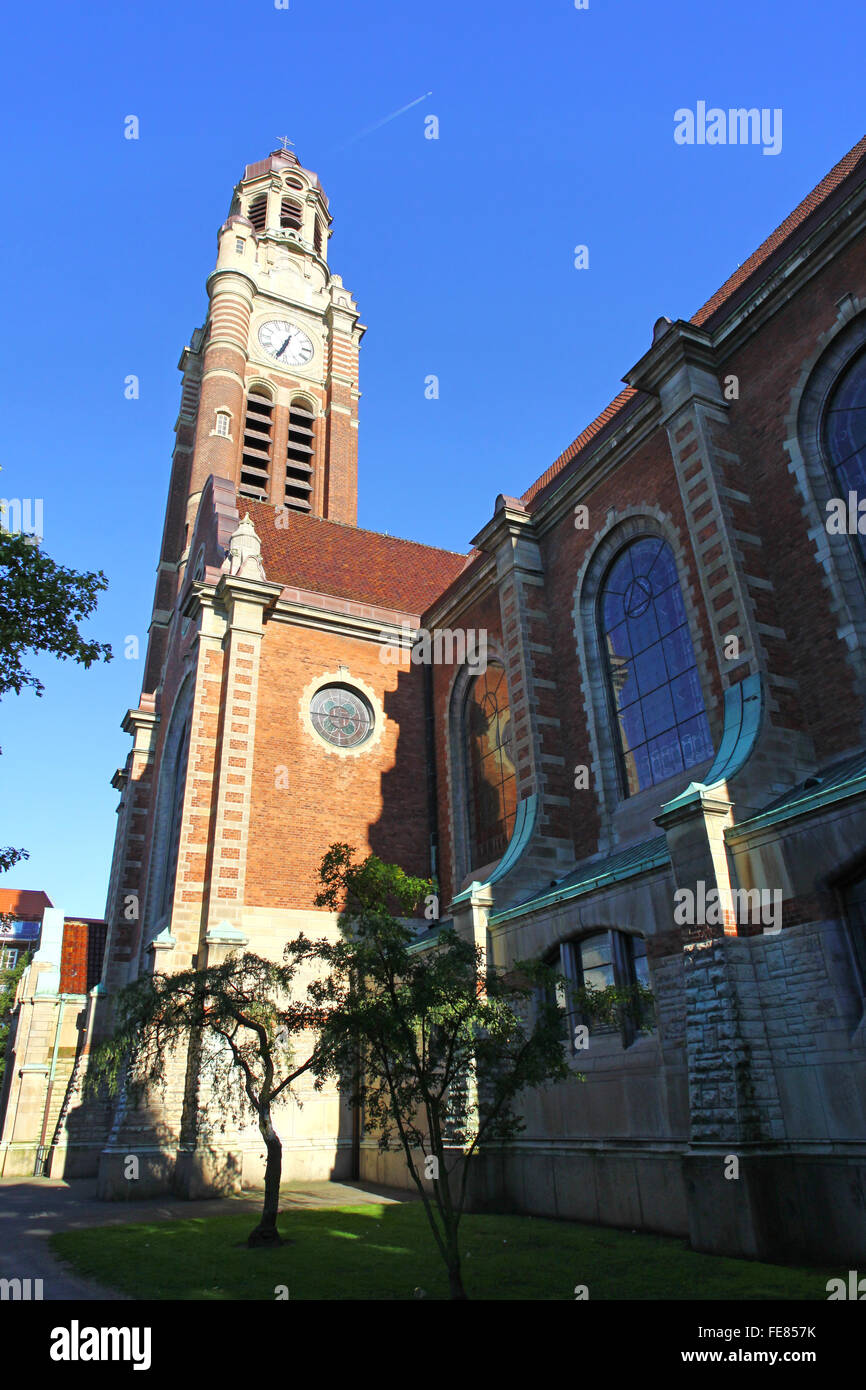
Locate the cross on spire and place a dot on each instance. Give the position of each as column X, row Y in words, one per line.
column 285, row 142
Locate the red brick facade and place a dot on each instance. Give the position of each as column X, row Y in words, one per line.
column 714, row 448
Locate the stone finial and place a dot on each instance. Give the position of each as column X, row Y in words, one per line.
column 244, row 554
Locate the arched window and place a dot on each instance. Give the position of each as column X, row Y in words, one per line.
column 652, row 674
column 299, row 456
column 607, row 985
column 222, row 426
column 492, row 778
column 845, row 434
column 172, row 841
column 258, row 441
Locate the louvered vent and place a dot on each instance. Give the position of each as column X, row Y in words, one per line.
column 258, row 440
column 299, row 458
column 290, row 214
column 317, row 236
column 258, row 212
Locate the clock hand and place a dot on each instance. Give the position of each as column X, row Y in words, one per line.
column 285, row 345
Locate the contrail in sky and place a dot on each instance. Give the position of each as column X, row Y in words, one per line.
column 378, row 125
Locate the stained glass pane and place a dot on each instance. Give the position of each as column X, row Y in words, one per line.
column 658, row 711
column 652, row 672
column 650, row 669
column 687, row 697
column 845, row 433
column 342, row 716
column 679, row 652
column 665, row 755
column 852, row 475
column 493, row 791
column 670, row 609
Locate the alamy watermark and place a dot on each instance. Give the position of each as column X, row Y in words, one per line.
column 444, row 646
column 22, row 516
column 20, row 1290
column 846, row 517
column 716, row 907
column 736, row 126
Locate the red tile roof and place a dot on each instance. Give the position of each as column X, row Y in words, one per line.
column 329, row 557
column 774, row 242
column 28, row 904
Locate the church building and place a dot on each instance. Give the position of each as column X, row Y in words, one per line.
column 633, row 745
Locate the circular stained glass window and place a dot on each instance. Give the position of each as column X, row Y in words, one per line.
column 341, row 716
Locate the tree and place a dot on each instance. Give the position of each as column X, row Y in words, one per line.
column 434, row 1043
column 242, row 1015
column 41, row 605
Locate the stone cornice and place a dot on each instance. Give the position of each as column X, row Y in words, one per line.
column 508, row 522
column 135, row 719
column 233, row 587
column 675, row 346
column 141, row 725
column 703, row 801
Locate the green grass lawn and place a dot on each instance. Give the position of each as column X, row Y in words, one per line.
column 385, row 1252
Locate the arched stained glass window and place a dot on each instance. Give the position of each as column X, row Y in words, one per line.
column 172, row 843
column 652, row 673
column 845, row 433
column 493, row 783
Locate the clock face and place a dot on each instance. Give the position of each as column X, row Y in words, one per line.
column 285, row 342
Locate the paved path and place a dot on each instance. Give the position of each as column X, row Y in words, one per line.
column 32, row 1209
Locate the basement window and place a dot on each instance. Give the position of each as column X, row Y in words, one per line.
column 608, row 986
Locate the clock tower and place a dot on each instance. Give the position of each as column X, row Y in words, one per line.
column 270, row 381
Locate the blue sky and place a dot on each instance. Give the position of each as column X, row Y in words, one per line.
column 555, row 129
